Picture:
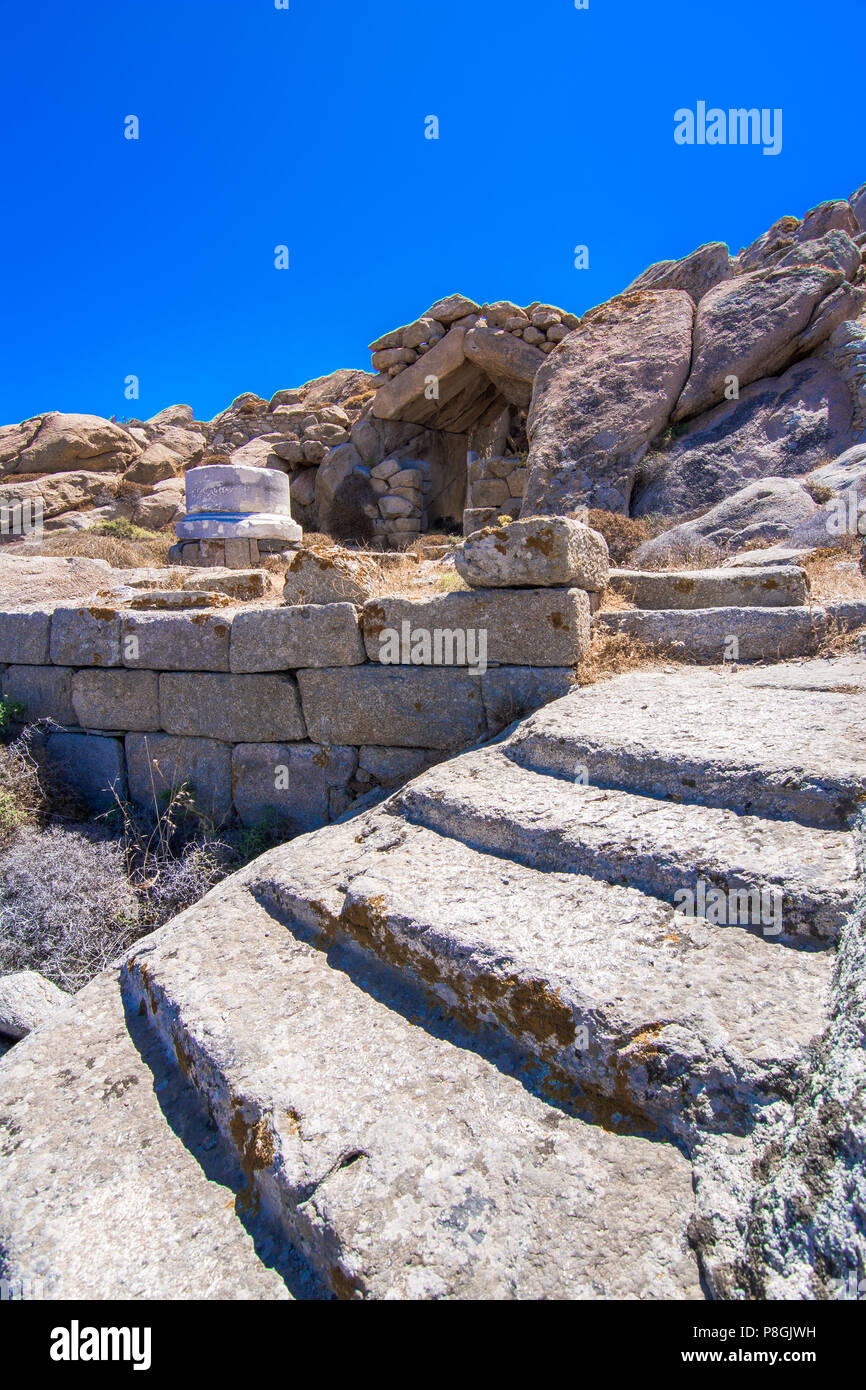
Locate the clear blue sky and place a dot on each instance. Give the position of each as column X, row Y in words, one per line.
column 260, row 127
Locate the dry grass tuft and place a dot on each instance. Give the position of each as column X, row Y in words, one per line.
column 819, row 492
column 613, row 600
column 120, row 553
column 432, row 540
column 612, row 653
column 834, row 571
column 682, row 557
column 839, row 640
column 451, row 583
column 400, row 579
column 355, row 402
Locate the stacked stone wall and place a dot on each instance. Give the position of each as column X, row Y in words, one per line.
column 285, row 712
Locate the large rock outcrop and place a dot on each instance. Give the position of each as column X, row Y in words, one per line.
column 764, row 512
column 781, row 426
column 696, row 274
column 754, row 326
column 603, row 396
column 835, row 249
column 58, row 443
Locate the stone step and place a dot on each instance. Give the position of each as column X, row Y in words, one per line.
column 777, row 742
column 685, row 1023
column 713, row 636
column 382, row 1062
column 793, row 879
column 113, row 1182
column 400, row 1156
column 848, row 615
column 762, row 586
column 768, row 555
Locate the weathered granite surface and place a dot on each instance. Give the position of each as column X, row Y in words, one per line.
column 416, row 1029
column 27, row 1000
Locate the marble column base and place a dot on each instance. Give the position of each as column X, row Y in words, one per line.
column 247, row 526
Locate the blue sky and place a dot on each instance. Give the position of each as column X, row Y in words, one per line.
column 305, row 127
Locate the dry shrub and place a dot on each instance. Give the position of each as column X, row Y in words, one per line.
column 622, row 533
column 75, row 896
column 172, row 855
column 66, row 907
column 127, row 491
column 120, row 553
column 22, row 799
column 33, row 791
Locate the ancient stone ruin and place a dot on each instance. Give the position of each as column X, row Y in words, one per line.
column 551, row 984
column 234, row 513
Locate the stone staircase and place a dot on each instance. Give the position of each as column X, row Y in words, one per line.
column 743, row 613
column 471, row 1042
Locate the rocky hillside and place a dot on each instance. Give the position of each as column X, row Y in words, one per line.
column 553, row 985
column 716, row 393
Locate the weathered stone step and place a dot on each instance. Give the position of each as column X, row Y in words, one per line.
column 711, row 636
column 775, row 876
column 401, row 1158
column 766, row 586
column 112, row 1180
column 686, row 1023
column 755, row 743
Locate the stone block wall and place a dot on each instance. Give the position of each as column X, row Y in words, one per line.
column 540, row 325
column 300, row 434
column 287, row 712
column 234, row 553
column 403, row 490
column 495, row 488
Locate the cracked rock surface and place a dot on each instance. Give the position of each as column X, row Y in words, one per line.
column 488, row 1038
